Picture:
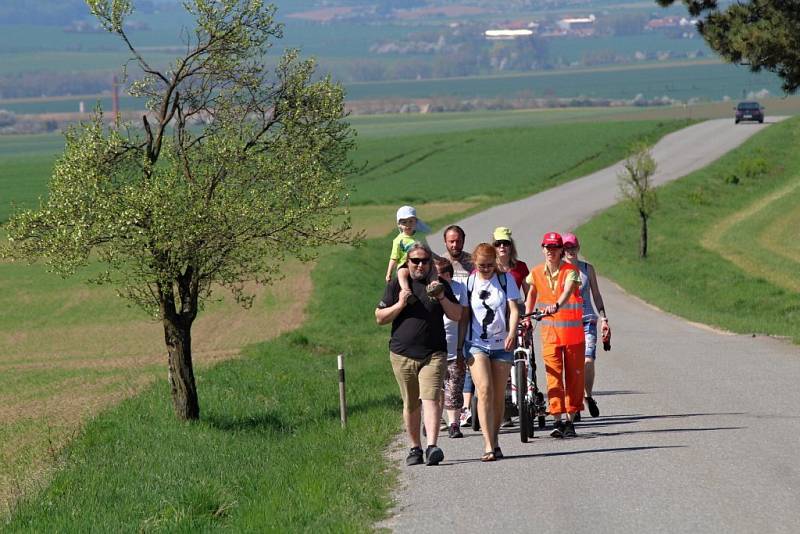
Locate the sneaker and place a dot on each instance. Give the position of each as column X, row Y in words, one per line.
column 507, row 423
column 558, row 429
column 466, row 417
column 434, row 455
column 593, row 409
column 577, row 418
column 414, row 457
column 569, row 430
column 455, row 432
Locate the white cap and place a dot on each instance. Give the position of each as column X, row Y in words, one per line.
column 406, row 212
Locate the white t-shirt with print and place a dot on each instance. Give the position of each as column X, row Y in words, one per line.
column 450, row 326
column 489, row 328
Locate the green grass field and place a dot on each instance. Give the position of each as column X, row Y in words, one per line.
column 464, row 166
column 67, row 350
column 723, row 248
column 680, row 81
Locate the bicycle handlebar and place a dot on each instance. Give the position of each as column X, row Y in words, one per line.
column 536, row 315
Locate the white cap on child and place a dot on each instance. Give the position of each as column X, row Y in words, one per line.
column 406, row 212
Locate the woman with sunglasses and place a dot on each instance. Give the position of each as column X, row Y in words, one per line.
column 507, row 260
column 490, row 340
column 556, row 288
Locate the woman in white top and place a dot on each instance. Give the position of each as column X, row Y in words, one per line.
column 491, row 338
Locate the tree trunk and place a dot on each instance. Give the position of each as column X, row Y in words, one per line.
column 177, row 334
column 643, row 237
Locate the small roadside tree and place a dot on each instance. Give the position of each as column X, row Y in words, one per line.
column 636, row 185
column 765, row 34
column 235, row 166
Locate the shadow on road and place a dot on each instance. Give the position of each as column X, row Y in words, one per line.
column 590, row 435
column 571, row 453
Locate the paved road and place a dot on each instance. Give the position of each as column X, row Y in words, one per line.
column 699, row 430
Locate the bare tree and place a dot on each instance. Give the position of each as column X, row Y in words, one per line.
column 636, row 185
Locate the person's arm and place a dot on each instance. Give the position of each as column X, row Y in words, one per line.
column 391, row 269
column 572, row 283
column 387, row 315
column 451, row 309
column 463, row 324
column 596, row 296
column 447, row 300
column 530, row 299
column 513, row 321
column 526, row 287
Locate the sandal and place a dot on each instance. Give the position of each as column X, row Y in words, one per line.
column 488, row 457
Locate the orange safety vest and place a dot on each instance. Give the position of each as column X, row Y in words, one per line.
column 566, row 326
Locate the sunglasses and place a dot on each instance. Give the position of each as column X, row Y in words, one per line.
column 502, row 243
column 417, row 261
column 552, row 247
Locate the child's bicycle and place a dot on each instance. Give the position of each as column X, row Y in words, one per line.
column 530, row 405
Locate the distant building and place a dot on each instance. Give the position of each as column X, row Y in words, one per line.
column 577, row 24
column 506, row 34
column 670, row 22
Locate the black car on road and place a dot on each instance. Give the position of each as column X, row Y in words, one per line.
column 749, row 111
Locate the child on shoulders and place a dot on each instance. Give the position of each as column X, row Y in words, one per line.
column 408, row 224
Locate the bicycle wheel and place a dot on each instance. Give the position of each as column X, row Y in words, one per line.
column 473, row 406
column 522, row 403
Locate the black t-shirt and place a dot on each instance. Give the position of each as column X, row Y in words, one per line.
column 418, row 331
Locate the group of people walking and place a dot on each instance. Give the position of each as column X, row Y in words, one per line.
column 454, row 330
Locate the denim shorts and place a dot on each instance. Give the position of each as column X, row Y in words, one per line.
column 500, row 355
column 590, row 336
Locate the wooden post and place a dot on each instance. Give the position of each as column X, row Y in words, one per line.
column 342, row 396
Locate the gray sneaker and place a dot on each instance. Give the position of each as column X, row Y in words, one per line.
column 414, row 457
column 434, row 455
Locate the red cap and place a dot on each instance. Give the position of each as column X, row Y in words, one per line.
column 552, row 238
column 570, row 240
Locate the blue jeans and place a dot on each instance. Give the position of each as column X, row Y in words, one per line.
column 501, row 355
column 469, row 385
column 590, row 335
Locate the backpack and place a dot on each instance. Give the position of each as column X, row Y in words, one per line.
column 503, row 279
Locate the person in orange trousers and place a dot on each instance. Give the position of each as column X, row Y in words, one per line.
column 555, row 289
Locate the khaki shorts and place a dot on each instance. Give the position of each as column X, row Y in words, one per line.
column 419, row 379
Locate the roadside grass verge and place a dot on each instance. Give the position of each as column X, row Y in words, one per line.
column 268, row 453
column 723, row 242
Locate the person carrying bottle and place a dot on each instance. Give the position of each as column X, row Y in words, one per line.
column 589, row 290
